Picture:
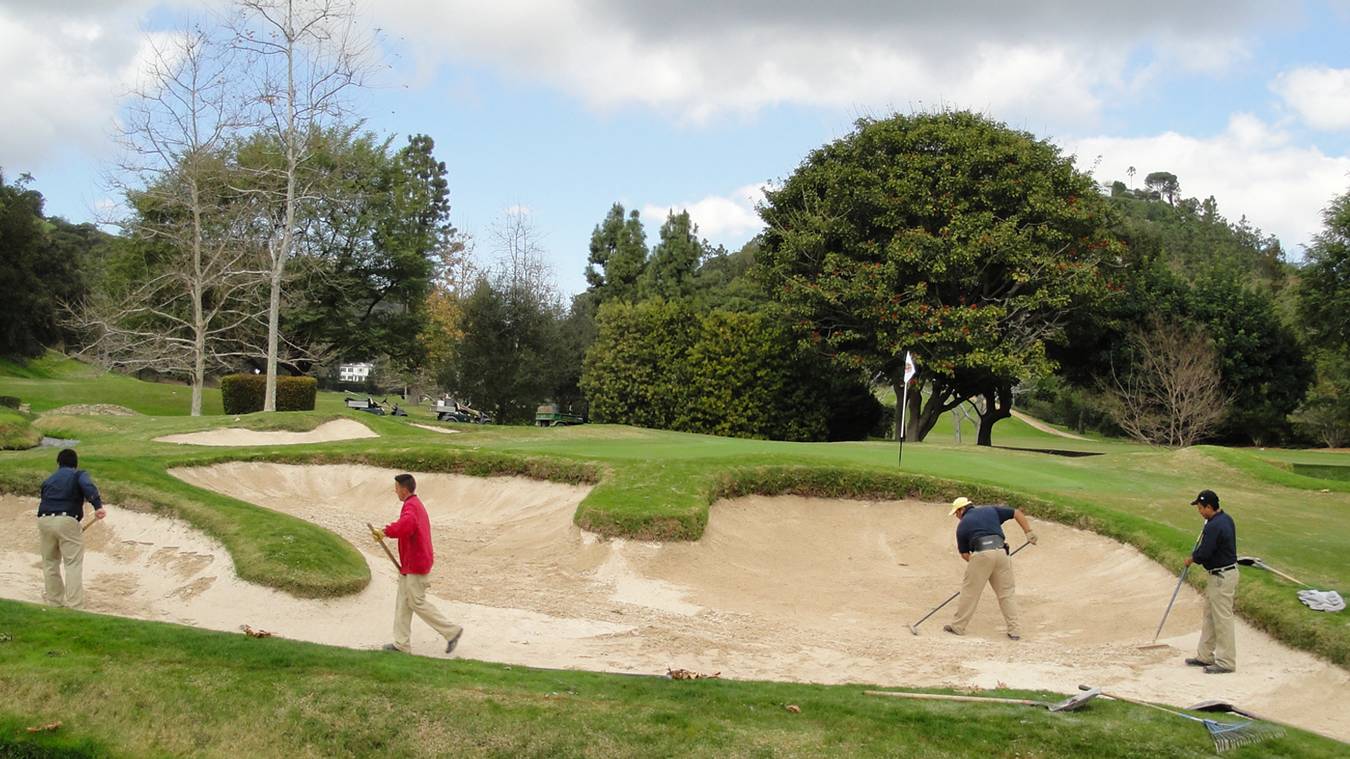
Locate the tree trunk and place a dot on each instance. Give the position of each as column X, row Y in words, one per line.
column 997, row 405
column 273, row 330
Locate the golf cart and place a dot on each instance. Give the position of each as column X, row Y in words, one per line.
column 364, row 404
column 552, row 415
column 450, row 410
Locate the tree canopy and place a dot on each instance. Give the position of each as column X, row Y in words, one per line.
column 946, row 234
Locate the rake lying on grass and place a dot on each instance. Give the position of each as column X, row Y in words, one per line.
column 1226, row 735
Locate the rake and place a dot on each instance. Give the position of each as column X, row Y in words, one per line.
column 1181, row 578
column 1073, row 703
column 1226, row 735
column 1252, row 561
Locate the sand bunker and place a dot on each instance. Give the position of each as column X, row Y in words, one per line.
column 780, row 588
column 339, row 429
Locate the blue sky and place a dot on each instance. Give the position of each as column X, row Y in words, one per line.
column 566, row 106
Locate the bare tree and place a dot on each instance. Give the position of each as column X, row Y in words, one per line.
column 182, row 314
column 308, row 54
column 1173, row 394
column 520, row 265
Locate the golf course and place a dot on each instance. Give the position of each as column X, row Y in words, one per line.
column 589, row 563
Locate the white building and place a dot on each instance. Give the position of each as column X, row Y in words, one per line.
column 354, row 372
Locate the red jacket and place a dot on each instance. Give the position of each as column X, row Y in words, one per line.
column 413, row 530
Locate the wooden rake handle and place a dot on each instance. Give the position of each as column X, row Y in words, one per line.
column 380, row 537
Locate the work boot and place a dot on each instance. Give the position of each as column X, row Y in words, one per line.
column 450, row 643
column 950, row 629
column 393, row 648
column 1215, row 669
column 1194, row 662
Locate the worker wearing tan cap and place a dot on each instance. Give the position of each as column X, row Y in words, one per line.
column 980, row 539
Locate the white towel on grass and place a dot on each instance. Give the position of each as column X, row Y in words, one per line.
column 1322, row 600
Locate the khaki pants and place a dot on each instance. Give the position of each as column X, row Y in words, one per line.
column 412, row 599
column 1217, row 641
column 62, row 542
column 995, row 568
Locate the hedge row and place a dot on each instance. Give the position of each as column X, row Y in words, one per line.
column 244, row 393
column 665, row 365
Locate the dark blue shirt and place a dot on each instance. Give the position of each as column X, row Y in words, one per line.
column 66, row 491
column 979, row 521
column 1218, row 543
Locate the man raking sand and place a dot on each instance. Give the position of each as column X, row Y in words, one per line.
column 413, row 532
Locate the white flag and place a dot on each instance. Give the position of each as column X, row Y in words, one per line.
column 909, row 367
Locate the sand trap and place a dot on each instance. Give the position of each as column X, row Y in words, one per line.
column 339, row 429
column 442, row 430
column 781, row 588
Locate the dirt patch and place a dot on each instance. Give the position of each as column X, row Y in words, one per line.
column 784, row 588
column 339, row 429
column 92, row 409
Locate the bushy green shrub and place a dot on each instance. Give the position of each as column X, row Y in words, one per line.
column 244, row 393
column 663, row 365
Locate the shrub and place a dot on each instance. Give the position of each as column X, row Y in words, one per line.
column 244, row 393
column 9, row 401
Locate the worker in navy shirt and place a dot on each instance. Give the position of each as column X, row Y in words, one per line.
column 64, row 494
column 1217, row 553
column 980, row 541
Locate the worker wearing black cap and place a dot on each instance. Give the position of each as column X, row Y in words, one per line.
column 1217, row 553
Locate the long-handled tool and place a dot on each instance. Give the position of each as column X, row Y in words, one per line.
column 85, row 527
column 1181, row 578
column 914, row 628
column 380, row 537
column 1252, row 561
column 1226, row 735
column 1067, row 705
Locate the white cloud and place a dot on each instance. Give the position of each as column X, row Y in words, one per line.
column 68, row 71
column 728, row 219
column 1044, row 60
column 1251, row 168
column 1320, row 95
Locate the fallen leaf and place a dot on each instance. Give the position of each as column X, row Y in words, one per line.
column 254, row 632
column 684, row 674
column 793, row 708
column 47, row 728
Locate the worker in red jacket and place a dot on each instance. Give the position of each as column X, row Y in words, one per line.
column 413, row 531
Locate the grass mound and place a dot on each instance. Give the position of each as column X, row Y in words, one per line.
column 16, row 431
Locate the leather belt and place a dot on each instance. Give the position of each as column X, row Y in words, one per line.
column 1221, row 570
column 986, row 543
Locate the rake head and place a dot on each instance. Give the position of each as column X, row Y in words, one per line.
column 1074, row 702
column 1230, row 735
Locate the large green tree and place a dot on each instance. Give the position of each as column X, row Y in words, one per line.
column 946, row 234
column 41, row 271
column 674, row 260
column 369, row 239
column 1324, row 290
column 618, row 256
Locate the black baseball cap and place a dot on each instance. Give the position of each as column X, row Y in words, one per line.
column 1206, row 498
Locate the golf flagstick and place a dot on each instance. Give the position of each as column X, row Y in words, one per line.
column 904, row 398
column 914, row 628
column 380, row 537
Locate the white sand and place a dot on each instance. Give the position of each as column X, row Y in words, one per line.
column 442, row 430
column 338, row 429
column 780, row 588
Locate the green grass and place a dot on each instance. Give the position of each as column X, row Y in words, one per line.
column 142, row 689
